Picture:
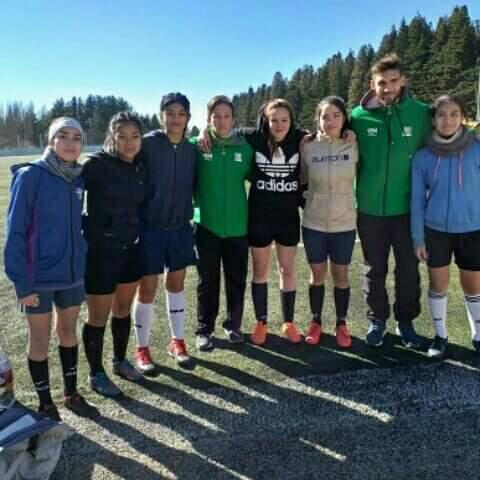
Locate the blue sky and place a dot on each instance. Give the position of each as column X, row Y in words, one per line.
column 141, row 49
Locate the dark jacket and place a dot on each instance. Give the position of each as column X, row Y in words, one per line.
column 170, row 183
column 44, row 249
column 115, row 191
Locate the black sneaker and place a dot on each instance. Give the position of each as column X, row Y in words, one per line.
column 204, row 342
column 408, row 335
column 234, row 336
column 50, row 411
column 438, row 347
column 476, row 346
column 79, row 406
column 376, row 332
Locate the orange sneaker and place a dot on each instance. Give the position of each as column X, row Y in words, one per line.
column 342, row 336
column 314, row 333
column 290, row 332
column 259, row 334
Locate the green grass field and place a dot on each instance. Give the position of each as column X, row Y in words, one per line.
column 226, row 369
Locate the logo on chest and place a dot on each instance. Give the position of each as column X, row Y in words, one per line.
column 278, row 167
column 372, row 131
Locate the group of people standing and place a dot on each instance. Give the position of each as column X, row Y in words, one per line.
column 138, row 196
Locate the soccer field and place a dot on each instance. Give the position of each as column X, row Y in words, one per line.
column 273, row 412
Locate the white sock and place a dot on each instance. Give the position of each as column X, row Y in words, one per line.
column 438, row 309
column 176, row 313
column 143, row 317
column 473, row 310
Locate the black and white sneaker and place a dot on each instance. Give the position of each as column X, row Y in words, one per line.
column 438, row 347
column 234, row 336
column 204, row 342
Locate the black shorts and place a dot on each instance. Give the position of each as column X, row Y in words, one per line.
column 107, row 267
column 465, row 247
column 263, row 234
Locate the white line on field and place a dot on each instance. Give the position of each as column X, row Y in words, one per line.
column 325, row 450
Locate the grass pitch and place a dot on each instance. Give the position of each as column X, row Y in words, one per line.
column 273, row 412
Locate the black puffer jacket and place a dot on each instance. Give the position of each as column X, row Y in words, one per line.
column 115, row 191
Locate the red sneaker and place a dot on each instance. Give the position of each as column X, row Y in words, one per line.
column 290, row 332
column 177, row 349
column 342, row 336
column 259, row 334
column 143, row 360
column 314, row 333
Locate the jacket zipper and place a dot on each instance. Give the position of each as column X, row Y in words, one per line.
column 71, row 232
column 175, row 147
column 389, row 139
column 224, row 158
column 448, row 195
column 329, row 186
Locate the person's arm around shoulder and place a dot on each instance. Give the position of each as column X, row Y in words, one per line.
column 418, row 206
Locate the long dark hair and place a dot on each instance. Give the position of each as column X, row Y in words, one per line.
column 262, row 120
column 114, row 125
column 336, row 102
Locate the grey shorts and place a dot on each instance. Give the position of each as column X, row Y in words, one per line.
column 66, row 298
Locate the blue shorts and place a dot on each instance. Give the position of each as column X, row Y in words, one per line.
column 66, row 298
column 319, row 246
column 167, row 250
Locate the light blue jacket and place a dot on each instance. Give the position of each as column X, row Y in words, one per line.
column 445, row 192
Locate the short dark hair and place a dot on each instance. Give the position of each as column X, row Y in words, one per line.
column 175, row 97
column 448, row 98
column 388, row 62
column 115, row 123
column 219, row 100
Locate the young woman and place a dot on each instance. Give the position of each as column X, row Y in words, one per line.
column 221, row 229
column 273, row 212
column 166, row 235
column 446, row 215
column 328, row 167
column 115, row 182
column 45, row 257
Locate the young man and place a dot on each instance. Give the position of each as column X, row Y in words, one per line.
column 390, row 127
column 166, row 235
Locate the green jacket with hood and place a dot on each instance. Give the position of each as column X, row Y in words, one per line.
column 388, row 138
column 220, row 190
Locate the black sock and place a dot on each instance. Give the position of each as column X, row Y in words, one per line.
column 93, row 345
column 342, row 299
column 260, row 298
column 316, row 293
column 69, row 360
column 41, row 382
column 120, row 333
column 287, row 299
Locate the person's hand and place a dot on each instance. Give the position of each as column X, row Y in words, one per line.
column 31, row 300
column 204, row 141
column 306, row 138
column 421, row 253
column 349, row 136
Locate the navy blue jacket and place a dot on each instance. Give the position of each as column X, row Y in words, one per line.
column 171, row 175
column 44, row 248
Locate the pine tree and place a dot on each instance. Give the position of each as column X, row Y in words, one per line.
column 360, row 75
